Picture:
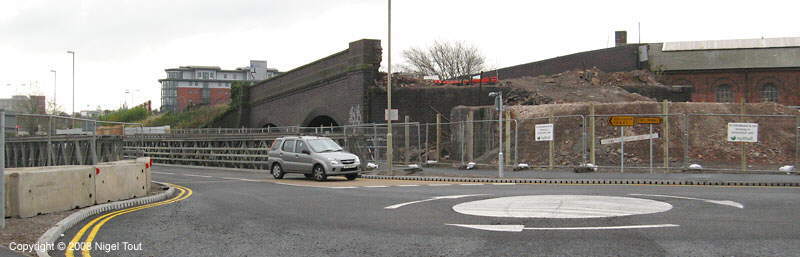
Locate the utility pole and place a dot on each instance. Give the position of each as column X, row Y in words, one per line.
column 73, row 86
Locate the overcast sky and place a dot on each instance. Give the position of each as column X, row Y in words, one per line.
column 126, row 45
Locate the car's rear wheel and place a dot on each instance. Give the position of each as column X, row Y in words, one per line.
column 319, row 173
column 351, row 176
column 277, row 171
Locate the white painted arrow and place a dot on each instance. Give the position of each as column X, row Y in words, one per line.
column 720, row 202
column 520, row 228
column 430, row 199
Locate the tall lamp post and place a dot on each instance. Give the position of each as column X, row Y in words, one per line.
column 498, row 100
column 389, row 151
column 73, row 86
column 55, row 78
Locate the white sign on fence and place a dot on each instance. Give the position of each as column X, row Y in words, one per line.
column 743, row 132
column 391, row 114
column 544, row 132
column 628, row 138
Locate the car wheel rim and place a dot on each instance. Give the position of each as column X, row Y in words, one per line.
column 318, row 173
column 276, row 171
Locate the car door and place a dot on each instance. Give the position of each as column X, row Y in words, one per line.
column 287, row 155
column 303, row 161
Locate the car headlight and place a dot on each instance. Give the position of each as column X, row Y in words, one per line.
column 333, row 161
column 358, row 160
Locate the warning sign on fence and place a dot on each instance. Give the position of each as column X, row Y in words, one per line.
column 628, row 139
column 622, row 121
column 743, row 132
column 544, row 132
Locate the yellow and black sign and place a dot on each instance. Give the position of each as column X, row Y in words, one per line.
column 622, row 121
column 648, row 120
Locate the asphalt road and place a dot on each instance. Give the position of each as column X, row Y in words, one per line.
column 233, row 213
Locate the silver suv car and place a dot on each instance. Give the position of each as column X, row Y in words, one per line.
column 314, row 157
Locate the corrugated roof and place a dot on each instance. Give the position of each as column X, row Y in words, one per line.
column 732, row 44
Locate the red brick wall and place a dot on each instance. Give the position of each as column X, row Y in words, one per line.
column 220, row 95
column 188, row 96
column 744, row 83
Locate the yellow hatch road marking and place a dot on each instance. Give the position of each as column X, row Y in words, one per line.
column 184, row 193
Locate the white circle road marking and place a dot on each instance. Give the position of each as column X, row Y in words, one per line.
column 561, row 206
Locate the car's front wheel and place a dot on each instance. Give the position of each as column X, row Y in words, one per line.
column 319, row 173
column 277, row 171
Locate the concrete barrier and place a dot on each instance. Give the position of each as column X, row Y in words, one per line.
column 120, row 180
column 39, row 190
column 148, row 167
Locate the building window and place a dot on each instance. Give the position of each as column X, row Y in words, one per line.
column 224, row 76
column 769, row 93
column 724, row 94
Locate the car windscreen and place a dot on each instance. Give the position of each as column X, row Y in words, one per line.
column 324, row 145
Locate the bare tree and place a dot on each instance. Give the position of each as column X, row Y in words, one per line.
column 445, row 59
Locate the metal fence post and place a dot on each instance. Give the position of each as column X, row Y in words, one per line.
column 665, row 111
column 583, row 138
column 3, row 167
column 93, row 144
column 743, row 144
column 550, row 146
column 687, row 137
column 592, row 150
column 438, row 137
column 407, row 140
column 797, row 142
column 50, row 132
column 622, row 149
column 507, row 139
column 516, row 142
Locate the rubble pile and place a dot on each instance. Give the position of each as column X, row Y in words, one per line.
column 590, row 85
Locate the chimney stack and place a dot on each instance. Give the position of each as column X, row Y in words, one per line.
column 620, row 38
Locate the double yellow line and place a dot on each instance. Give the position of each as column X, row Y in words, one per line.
column 100, row 221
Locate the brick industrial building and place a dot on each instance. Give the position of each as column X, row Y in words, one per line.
column 206, row 85
column 756, row 70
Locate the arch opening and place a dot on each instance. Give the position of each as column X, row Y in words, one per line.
column 322, row 121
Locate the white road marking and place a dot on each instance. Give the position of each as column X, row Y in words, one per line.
column 720, row 202
column 430, row 199
column 501, row 228
column 504, row 184
column 252, row 180
column 341, row 187
column 438, row 185
column 561, row 206
column 165, row 173
column 407, row 185
column 519, row 228
column 230, row 178
column 471, row 184
column 375, row 186
column 612, row 227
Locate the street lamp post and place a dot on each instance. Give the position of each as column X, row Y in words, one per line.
column 55, row 78
column 498, row 99
column 389, row 151
column 73, row 86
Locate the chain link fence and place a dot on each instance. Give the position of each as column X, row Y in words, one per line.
column 35, row 140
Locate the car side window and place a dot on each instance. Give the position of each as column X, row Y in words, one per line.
column 288, row 146
column 300, row 146
column 276, row 144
